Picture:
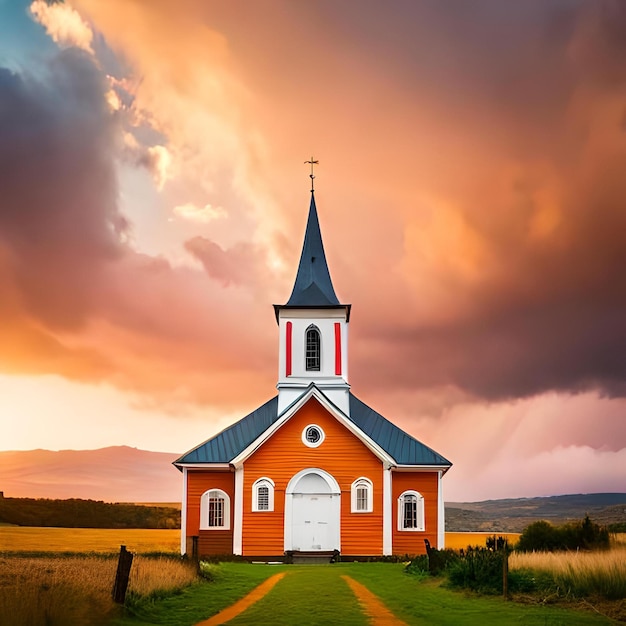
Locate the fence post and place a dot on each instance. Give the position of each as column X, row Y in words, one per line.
column 505, row 571
column 123, row 574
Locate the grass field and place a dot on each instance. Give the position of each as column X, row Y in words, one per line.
column 27, row 539
column 30, row 539
column 456, row 541
column 318, row 596
column 48, row 587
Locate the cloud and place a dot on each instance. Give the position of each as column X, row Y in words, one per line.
column 59, row 218
column 241, row 265
column 64, row 25
column 551, row 443
column 510, row 278
column 476, row 224
column 158, row 160
column 75, row 298
column 194, row 213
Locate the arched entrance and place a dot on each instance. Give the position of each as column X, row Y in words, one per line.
column 312, row 512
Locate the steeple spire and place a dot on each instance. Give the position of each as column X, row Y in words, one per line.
column 313, row 286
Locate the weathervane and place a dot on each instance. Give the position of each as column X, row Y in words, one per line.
column 312, row 175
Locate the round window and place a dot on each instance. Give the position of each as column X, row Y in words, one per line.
column 312, row 436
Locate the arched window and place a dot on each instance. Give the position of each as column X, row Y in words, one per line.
column 313, row 344
column 362, row 492
column 411, row 511
column 263, row 495
column 214, row 510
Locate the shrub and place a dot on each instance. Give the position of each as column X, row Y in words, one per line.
column 542, row 536
column 478, row 569
column 434, row 563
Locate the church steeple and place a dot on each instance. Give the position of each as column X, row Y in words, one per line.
column 313, row 326
column 313, row 286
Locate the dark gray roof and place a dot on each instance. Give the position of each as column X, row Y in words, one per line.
column 313, row 286
column 225, row 446
column 395, row 442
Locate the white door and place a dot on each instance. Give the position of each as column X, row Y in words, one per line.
column 315, row 515
column 312, row 521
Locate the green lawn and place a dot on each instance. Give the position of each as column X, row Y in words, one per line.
column 317, row 595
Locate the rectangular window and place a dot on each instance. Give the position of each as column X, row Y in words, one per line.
column 410, row 512
column 313, row 341
column 263, row 499
column 216, row 512
column 361, row 499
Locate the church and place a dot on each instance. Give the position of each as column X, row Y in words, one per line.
column 314, row 470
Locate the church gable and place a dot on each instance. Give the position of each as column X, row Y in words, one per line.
column 313, row 437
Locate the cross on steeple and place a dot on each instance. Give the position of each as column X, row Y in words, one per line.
column 312, row 175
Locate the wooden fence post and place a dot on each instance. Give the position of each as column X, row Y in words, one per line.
column 123, row 574
column 505, row 571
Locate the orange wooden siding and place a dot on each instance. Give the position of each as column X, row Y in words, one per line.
column 412, row 542
column 199, row 481
column 341, row 454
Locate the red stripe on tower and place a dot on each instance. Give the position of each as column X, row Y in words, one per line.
column 337, row 349
column 288, row 349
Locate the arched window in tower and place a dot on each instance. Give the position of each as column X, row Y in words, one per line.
column 313, row 345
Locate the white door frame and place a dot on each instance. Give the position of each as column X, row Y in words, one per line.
column 335, row 493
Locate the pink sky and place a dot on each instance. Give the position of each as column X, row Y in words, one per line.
column 472, row 200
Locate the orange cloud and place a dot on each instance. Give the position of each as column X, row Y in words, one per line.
column 471, row 201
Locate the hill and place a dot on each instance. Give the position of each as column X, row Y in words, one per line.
column 75, row 513
column 513, row 515
column 124, row 474
column 113, row 474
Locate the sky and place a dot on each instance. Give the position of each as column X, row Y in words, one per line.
column 471, row 191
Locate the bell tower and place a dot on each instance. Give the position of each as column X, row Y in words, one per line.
column 313, row 328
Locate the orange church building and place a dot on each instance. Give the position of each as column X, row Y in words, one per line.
column 314, row 470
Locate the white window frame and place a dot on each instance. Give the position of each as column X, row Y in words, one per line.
column 204, row 509
column 263, row 482
column 420, row 526
column 311, row 444
column 362, row 483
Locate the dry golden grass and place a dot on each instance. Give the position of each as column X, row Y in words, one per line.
column 77, row 590
column 456, row 541
column 571, row 562
column 31, row 539
column 170, row 505
column 55, row 591
column 600, row 573
column 153, row 575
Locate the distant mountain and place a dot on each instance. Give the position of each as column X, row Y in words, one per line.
column 114, row 474
column 123, row 474
column 514, row 514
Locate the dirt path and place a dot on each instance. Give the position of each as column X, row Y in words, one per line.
column 378, row 613
column 240, row 606
column 373, row 607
